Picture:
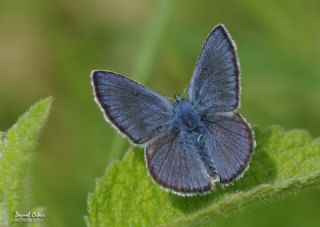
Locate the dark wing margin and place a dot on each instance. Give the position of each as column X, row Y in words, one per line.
column 137, row 112
column 176, row 165
column 231, row 143
column 215, row 80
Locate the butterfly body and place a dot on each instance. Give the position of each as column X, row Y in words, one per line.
column 186, row 117
column 191, row 144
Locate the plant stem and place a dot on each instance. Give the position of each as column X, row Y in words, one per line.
column 145, row 61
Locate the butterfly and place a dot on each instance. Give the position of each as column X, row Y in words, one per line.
column 193, row 143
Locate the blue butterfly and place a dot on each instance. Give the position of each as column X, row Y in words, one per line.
column 193, row 143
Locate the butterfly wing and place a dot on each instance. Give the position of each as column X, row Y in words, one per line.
column 173, row 161
column 230, row 145
column 137, row 112
column 215, row 80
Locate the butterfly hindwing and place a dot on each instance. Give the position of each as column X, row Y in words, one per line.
column 230, row 144
column 174, row 162
column 137, row 112
column 215, row 80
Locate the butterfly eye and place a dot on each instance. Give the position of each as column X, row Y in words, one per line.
column 190, row 123
column 176, row 130
column 203, row 117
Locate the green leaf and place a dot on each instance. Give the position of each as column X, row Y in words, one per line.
column 16, row 159
column 284, row 163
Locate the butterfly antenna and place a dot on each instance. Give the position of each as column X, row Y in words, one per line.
column 171, row 99
column 185, row 89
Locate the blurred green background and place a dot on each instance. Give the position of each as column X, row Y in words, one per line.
column 50, row 47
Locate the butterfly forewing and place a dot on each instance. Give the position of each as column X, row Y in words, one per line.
column 137, row 112
column 215, row 80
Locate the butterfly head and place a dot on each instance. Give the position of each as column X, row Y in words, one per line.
column 186, row 116
column 177, row 98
